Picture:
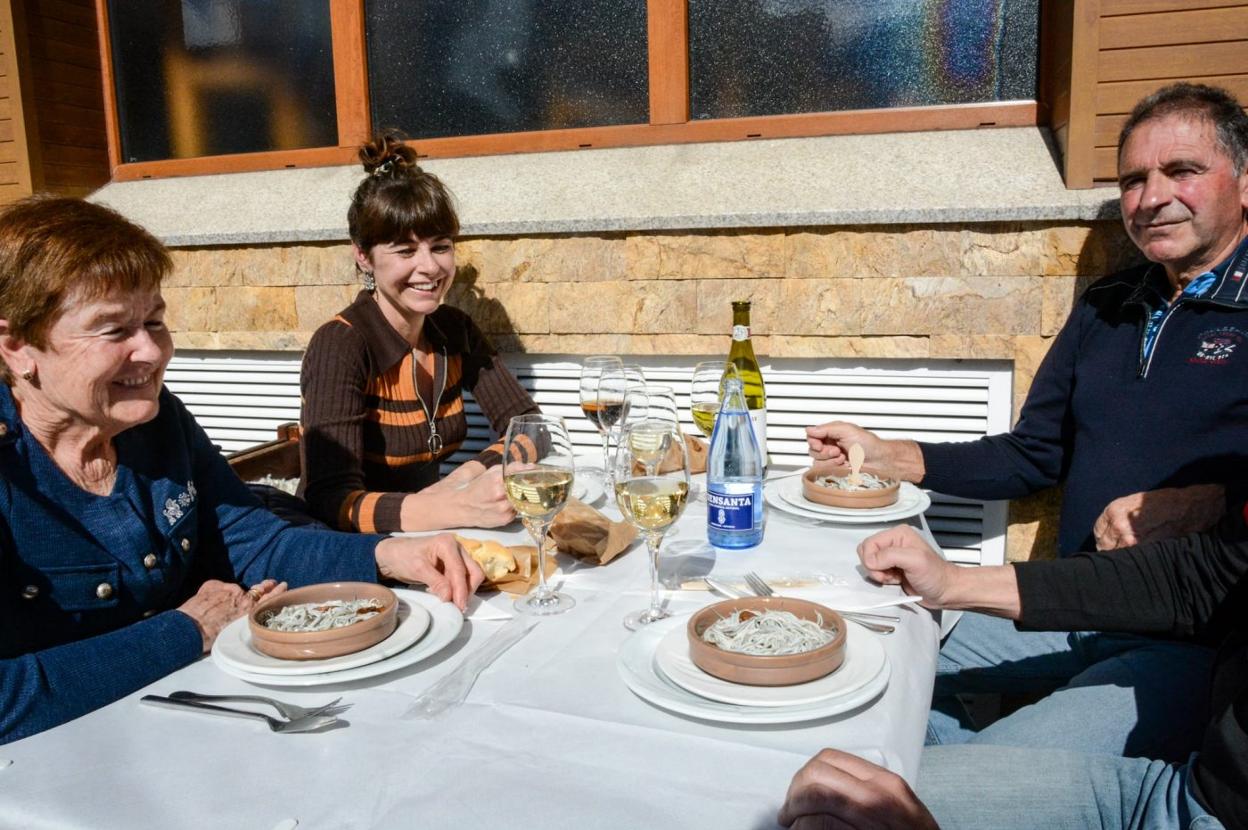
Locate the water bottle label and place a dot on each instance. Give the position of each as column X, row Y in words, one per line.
column 729, row 510
column 740, row 333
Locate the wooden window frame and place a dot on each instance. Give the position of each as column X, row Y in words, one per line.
column 668, row 64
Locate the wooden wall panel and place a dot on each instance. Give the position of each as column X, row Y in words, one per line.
column 1169, row 28
column 1056, row 36
column 1116, row 7
column 1230, row 58
column 66, row 98
column 1144, row 45
column 19, row 159
column 1112, row 98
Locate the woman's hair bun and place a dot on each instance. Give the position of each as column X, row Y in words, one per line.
column 387, row 153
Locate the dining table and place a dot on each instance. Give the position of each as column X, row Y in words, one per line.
column 550, row 735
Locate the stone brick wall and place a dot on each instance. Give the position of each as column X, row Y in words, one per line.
column 993, row 291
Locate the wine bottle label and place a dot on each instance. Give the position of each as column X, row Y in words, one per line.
column 730, row 506
column 758, row 417
column 740, row 332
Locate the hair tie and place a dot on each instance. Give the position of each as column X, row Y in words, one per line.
column 387, row 165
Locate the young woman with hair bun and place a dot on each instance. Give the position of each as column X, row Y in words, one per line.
column 383, row 381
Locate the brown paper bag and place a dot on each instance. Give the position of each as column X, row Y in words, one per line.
column 698, row 451
column 583, row 532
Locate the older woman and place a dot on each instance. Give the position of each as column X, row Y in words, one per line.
column 125, row 539
column 383, row 382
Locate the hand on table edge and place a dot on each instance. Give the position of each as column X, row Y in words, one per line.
column 837, row 789
column 437, row 562
column 900, row 556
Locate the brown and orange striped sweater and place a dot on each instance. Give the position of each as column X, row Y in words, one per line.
column 366, row 436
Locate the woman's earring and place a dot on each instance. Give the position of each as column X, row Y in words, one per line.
column 28, row 374
column 370, row 282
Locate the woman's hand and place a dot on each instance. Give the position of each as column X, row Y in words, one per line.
column 217, row 604
column 434, row 561
column 483, row 501
column 838, row 790
column 472, row 496
column 829, row 445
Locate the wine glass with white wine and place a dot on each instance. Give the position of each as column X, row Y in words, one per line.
column 537, row 473
column 650, row 500
column 706, row 393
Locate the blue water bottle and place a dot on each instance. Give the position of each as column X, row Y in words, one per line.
column 734, row 475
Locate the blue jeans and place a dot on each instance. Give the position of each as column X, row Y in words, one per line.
column 1106, row 693
column 1053, row 789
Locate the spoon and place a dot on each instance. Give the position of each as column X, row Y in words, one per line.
column 856, row 457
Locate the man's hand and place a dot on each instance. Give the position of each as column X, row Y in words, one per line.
column 900, row 556
column 435, row 561
column 838, row 790
column 829, row 444
column 1159, row 514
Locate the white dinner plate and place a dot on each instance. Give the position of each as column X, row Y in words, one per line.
column 785, row 494
column 864, row 659
column 639, row 670
column 445, row 621
column 587, row 489
column 234, row 647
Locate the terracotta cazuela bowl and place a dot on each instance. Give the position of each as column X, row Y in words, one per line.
column 334, row 642
column 782, row 670
column 833, row 497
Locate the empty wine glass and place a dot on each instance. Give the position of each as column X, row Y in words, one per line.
column 662, row 403
column 591, row 405
column 537, row 473
column 706, row 392
column 651, row 500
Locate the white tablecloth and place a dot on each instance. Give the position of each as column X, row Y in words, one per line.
column 549, row 736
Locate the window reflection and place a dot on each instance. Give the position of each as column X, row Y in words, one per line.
column 211, row 77
column 765, row 57
column 465, row 67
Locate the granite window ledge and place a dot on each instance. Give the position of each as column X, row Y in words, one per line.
column 989, row 175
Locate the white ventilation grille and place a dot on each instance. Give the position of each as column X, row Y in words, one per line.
column 240, row 398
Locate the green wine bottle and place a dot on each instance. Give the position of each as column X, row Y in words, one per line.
column 742, row 356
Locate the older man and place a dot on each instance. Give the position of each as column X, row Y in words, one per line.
column 1141, row 409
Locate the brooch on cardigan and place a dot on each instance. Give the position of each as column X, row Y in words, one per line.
column 174, row 508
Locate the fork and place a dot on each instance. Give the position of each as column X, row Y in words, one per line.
column 758, row 586
column 303, row 724
column 287, row 710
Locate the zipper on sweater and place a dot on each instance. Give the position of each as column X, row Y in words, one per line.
column 1145, row 365
column 435, row 440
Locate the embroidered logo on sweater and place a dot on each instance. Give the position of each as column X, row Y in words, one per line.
column 1217, row 347
column 174, row 508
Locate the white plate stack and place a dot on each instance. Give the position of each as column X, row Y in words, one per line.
column 655, row 664
column 426, row 626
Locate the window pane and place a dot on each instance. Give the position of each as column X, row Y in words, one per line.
column 764, row 57
column 208, row 77
column 469, row 67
